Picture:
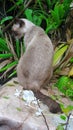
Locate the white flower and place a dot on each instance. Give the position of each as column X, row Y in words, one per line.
column 39, row 112
column 28, row 96
column 17, row 93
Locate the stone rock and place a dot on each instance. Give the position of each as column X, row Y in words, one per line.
column 16, row 115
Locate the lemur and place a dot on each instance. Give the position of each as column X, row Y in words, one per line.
column 34, row 69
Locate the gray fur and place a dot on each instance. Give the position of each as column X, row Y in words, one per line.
column 35, row 66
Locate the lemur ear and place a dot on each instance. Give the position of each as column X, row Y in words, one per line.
column 20, row 22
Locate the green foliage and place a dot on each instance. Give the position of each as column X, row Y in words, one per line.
column 65, row 85
column 3, row 45
column 53, row 13
column 51, row 4
column 66, row 4
column 60, row 127
column 12, row 64
column 33, row 16
column 6, row 97
column 66, row 110
column 57, row 15
column 17, row 5
column 9, row 56
column 19, row 109
column 69, row 93
column 71, row 60
column 6, row 19
column 63, row 117
column 59, row 52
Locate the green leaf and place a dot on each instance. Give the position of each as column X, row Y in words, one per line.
column 6, row 19
column 8, row 66
column 20, row 1
column 65, row 85
column 12, row 74
column 6, row 97
column 19, row 109
column 34, row 17
column 10, row 84
column 66, row 4
column 49, row 3
column 71, row 72
column 62, row 84
column 12, row 8
column 58, row 13
column 8, row 55
column 60, row 127
column 18, row 48
column 37, row 20
column 55, row 14
column 51, row 26
column 59, row 53
column 3, row 45
column 67, row 109
column 71, row 60
column 28, row 13
column 61, row 12
column 69, row 93
column 63, row 117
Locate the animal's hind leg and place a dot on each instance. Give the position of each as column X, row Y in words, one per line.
column 21, row 77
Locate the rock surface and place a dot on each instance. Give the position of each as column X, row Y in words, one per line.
column 16, row 115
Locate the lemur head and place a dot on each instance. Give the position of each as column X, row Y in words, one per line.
column 20, row 27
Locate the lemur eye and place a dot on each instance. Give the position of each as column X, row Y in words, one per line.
column 20, row 22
